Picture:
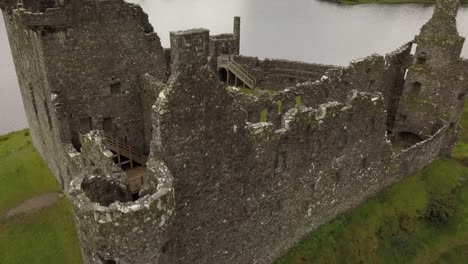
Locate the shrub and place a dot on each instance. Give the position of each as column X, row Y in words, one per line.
column 4, row 138
column 404, row 246
column 26, row 133
column 441, row 208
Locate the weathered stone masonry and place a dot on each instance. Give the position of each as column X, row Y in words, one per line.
column 166, row 163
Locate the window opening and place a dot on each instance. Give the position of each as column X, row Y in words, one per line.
column 85, row 125
column 115, row 88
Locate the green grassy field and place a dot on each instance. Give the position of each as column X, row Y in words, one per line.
column 45, row 236
column 22, row 172
column 422, row 219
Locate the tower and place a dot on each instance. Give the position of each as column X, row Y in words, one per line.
column 79, row 66
column 432, row 93
column 82, row 67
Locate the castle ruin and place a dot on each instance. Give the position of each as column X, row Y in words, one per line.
column 167, row 159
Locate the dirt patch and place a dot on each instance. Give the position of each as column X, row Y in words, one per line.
column 33, row 204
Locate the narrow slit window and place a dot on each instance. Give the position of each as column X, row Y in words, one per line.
column 33, row 98
column 402, row 116
column 109, row 261
column 416, row 88
column 107, row 125
column 49, row 119
column 422, row 58
column 85, row 125
column 115, row 88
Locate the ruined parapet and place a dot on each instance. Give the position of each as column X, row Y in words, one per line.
column 111, row 226
column 278, row 75
column 189, row 49
column 50, row 15
column 31, row 5
column 432, row 94
column 439, row 45
column 51, row 19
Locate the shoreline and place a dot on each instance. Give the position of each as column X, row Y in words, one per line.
column 387, row 2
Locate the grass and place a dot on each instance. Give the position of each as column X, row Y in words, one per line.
column 23, row 174
column 298, row 101
column 264, row 115
column 454, row 255
column 280, row 107
column 397, row 226
column 45, row 236
column 247, row 91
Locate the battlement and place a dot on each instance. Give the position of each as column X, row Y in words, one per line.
column 52, row 18
column 168, row 158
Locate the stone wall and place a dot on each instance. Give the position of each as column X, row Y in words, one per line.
column 371, row 74
column 117, row 44
column 249, row 191
column 40, row 106
column 79, row 66
column 280, row 74
column 220, row 186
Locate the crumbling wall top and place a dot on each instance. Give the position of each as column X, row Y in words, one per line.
column 190, row 49
column 443, row 22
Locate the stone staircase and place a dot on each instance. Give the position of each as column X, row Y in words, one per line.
column 227, row 62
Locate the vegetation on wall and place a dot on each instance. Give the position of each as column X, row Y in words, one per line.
column 422, row 219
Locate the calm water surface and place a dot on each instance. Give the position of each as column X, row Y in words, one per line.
column 304, row 30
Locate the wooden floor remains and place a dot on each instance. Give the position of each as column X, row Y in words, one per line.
column 135, row 178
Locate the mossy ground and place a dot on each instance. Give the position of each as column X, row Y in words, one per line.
column 396, row 226
column 44, row 236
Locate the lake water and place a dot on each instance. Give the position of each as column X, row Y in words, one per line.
column 304, row 30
